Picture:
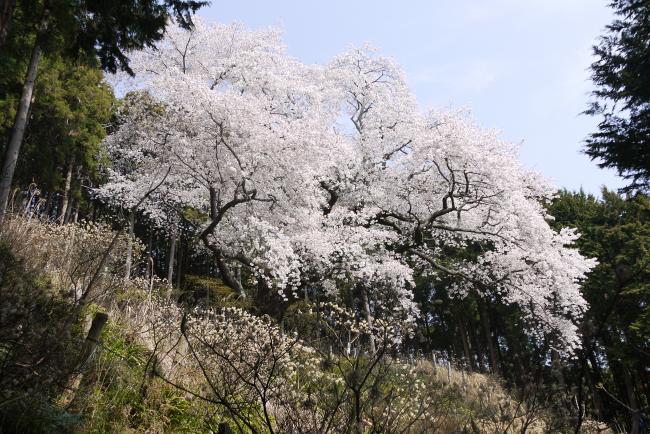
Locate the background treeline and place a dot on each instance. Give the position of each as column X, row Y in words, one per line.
column 60, row 161
column 71, row 109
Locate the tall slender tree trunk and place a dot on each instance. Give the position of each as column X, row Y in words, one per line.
column 238, row 274
column 595, row 396
column 358, row 426
column 595, row 376
column 318, row 330
column 179, row 262
column 48, row 205
column 91, row 212
column 68, row 213
column 170, row 263
column 485, row 321
column 466, row 345
column 150, row 254
column 635, row 425
column 129, row 246
column 18, row 130
column 479, row 355
column 556, row 367
column 366, row 310
column 6, row 13
column 65, row 202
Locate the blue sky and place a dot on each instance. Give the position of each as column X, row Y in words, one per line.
column 520, row 66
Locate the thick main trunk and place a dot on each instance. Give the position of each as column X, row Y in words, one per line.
column 227, row 276
column 65, row 202
column 18, row 130
column 216, row 214
column 358, row 425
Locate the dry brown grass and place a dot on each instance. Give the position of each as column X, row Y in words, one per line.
column 70, row 254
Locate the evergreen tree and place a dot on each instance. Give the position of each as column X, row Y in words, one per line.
column 622, row 76
column 615, row 230
column 92, row 28
column 67, row 123
column 67, row 119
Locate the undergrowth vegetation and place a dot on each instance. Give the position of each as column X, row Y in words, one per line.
column 207, row 364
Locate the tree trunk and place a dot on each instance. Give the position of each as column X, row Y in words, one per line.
column 478, row 351
column 170, row 263
column 48, row 205
column 318, row 330
column 466, row 347
column 89, row 347
column 68, row 213
column 227, row 276
column 179, row 263
column 556, row 367
column 91, row 212
column 635, row 427
column 6, row 12
column 485, row 321
column 65, row 203
column 358, row 425
column 595, row 396
column 182, row 350
column 366, row 309
column 238, row 274
column 595, row 377
column 129, row 247
column 18, row 130
column 92, row 339
column 150, row 255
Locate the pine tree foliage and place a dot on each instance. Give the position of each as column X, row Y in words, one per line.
column 621, row 74
column 616, row 230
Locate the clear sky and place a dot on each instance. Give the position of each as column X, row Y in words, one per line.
column 520, row 66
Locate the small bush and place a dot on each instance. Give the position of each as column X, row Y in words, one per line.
column 209, row 292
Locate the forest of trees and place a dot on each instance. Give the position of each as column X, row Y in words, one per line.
column 200, row 233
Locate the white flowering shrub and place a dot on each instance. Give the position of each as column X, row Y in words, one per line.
column 260, row 378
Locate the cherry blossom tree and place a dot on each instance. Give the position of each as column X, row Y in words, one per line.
column 438, row 181
column 243, row 132
column 321, row 176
